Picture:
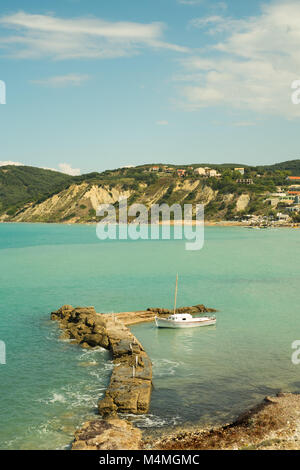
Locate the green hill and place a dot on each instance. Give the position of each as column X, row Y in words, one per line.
column 29, row 194
column 291, row 165
column 22, row 184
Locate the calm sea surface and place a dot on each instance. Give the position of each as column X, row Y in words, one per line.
column 201, row 376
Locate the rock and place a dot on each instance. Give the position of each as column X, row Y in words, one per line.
column 85, row 310
column 144, row 369
column 124, row 347
column 107, row 407
column 192, row 310
column 65, row 335
column 111, row 434
column 144, row 398
column 94, row 340
column 125, row 397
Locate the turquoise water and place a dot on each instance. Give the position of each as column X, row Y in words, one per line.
column 49, row 387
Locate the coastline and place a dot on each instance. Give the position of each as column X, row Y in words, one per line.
column 208, row 223
column 273, row 424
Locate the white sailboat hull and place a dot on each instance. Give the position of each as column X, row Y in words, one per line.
column 193, row 323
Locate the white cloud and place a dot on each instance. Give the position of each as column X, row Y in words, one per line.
column 8, row 162
column 35, row 36
column 62, row 80
column 244, row 124
column 190, row 2
column 218, row 24
column 208, row 3
column 66, row 168
column 252, row 67
column 162, row 123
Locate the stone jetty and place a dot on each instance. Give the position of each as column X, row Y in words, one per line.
column 130, row 386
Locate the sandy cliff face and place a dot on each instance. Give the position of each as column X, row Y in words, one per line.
column 102, row 195
column 78, row 203
column 242, row 202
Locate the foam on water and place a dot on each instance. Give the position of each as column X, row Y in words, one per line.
column 152, row 421
column 165, row 367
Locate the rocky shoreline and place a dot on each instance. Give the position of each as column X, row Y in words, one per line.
column 274, row 424
column 130, row 386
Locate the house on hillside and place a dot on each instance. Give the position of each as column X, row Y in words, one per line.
column 213, row 174
column 200, row 171
column 245, row 181
column 281, row 216
column 294, row 193
column 293, row 179
column 293, row 209
column 168, row 169
column 181, row 172
column 240, row 170
column 207, row 172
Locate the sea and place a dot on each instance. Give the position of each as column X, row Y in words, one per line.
column 201, row 376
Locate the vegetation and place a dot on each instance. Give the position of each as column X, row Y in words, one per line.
column 291, row 166
column 24, row 187
column 23, row 184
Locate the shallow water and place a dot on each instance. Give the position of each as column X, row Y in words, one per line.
column 207, row 375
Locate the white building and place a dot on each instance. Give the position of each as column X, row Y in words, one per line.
column 213, row 174
column 208, row 172
column 281, row 216
column 200, row 171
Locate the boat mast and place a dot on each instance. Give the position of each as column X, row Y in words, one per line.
column 175, row 293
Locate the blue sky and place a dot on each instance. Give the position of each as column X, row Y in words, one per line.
column 93, row 85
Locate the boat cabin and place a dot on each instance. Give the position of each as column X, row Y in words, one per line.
column 180, row 317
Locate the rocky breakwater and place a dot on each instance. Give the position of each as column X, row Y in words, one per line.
column 130, row 386
column 196, row 309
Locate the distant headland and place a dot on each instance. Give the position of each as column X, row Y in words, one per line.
column 232, row 194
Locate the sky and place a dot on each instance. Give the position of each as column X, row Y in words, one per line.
column 100, row 84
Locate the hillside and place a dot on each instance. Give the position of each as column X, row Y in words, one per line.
column 293, row 166
column 22, row 184
column 35, row 195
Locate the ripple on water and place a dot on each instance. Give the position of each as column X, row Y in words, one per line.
column 165, row 367
column 152, row 420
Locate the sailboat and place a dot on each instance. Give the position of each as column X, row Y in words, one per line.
column 183, row 320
